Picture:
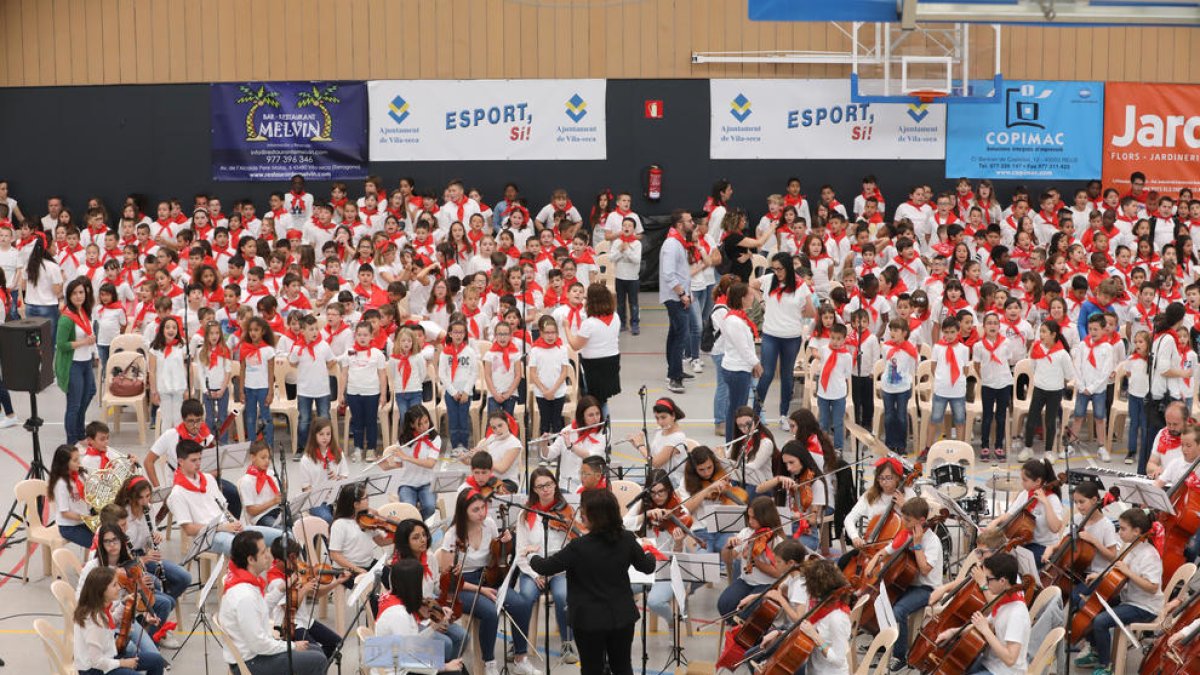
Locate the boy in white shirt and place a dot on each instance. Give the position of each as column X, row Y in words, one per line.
column 927, row 550
column 612, row 224
column 1094, row 363
column 992, row 355
column 950, row 358
column 626, row 253
column 833, row 384
column 313, row 360
column 864, row 346
column 1007, row 627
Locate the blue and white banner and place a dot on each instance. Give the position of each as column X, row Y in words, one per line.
column 1044, row 130
column 270, row 131
column 432, row 120
column 816, row 119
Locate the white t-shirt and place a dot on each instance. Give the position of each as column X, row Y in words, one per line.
column 499, row 449
column 312, row 374
column 475, row 558
column 1103, row 530
column 548, row 365
column 944, row 382
column 42, row 293
column 413, row 475
column 252, row 496
column 362, row 373
column 1010, row 623
column 836, row 386
column 1042, row 534
column 64, row 501
column 255, row 373
column 418, row 372
column 933, row 555
column 200, row 508
column 783, row 311
column 356, row 544
column 396, row 620
column 1146, row 563
column 602, row 337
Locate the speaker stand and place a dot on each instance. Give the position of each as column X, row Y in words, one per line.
column 37, row 469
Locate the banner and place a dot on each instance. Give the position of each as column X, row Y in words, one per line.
column 1155, row 129
column 815, row 119
column 432, row 120
column 270, row 131
column 1041, row 130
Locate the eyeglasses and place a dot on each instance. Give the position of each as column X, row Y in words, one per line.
column 658, row 491
column 777, row 268
column 543, row 486
column 111, row 540
column 990, row 579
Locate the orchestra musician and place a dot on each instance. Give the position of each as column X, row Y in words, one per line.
column 283, row 575
column 926, row 549
column 755, row 546
column 584, row 438
column 506, row 450
column 192, row 428
column 145, row 541
column 482, row 477
column 323, row 462
column 650, row 518
column 401, row 606
column 112, row 552
column 666, row 449
column 802, row 481
column 412, row 542
column 532, row 533
column 65, row 488
column 593, row 472
column 1007, row 626
column 879, row 499
column 95, row 648
column 1039, row 497
column 259, row 488
column 755, row 451
column 705, row 484
column 988, row 543
column 828, row 625
column 1165, row 445
column 245, row 617
column 1098, row 531
column 94, row 447
column 418, row 461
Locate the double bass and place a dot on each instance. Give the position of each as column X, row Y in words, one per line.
column 1181, row 526
column 881, row 530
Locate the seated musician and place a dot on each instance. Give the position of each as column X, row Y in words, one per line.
column 483, row 478
column 323, row 462
column 987, row 543
column 755, row 451
column 1175, row 470
column 1165, row 447
column 592, row 474
column 192, row 428
column 245, row 617
column 802, row 463
column 65, row 487
column 667, row 448
column 351, row 546
column 584, row 438
column 134, row 495
column 411, row 542
column 504, row 447
column 1097, row 531
column 259, row 488
column 1044, row 504
column 94, row 452
column 195, row 502
column 926, row 549
column 648, row 517
column 700, row 489
column 1141, row 599
column 400, row 607
column 755, row 546
column 876, row 501
column 829, row 625
column 304, row 624
column 95, row 649
column 1006, row 628
column 112, row 551
column 534, row 534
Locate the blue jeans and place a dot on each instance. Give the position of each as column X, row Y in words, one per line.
column 558, row 590
column 305, row 405
column 509, row 406
column 48, row 311
column 702, row 306
column 958, row 409
column 322, row 511
column 721, row 395
column 80, row 535
column 484, row 610
column 677, row 335
column 458, row 416
column 177, row 579
column 406, row 400
column 782, row 351
column 215, row 410
column 256, row 407
column 627, row 296
column 659, row 599
column 1100, row 634
column 452, row 640
column 895, row 420
column 420, row 496
column 364, row 420
column 735, row 593
column 833, row 418
column 104, row 351
column 143, row 647
column 737, row 383
column 1139, row 445
column 81, row 389
column 1098, row 401
column 1037, row 550
column 914, row 599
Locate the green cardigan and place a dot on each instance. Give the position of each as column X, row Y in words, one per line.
column 64, row 353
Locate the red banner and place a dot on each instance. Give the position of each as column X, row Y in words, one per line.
column 1155, row 129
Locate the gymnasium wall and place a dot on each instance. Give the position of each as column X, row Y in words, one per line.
column 82, row 42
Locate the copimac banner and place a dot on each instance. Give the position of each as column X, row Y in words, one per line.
column 429, row 120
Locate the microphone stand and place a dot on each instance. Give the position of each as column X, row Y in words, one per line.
column 1073, row 533
column 279, row 464
column 645, row 432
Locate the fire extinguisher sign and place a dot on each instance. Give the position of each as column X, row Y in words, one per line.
column 654, row 109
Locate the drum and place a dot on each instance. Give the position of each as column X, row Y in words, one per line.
column 950, row 480
column 975, row 506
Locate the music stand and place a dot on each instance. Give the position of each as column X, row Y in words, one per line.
column 232, row 457
column 375, row 485
column 1144, row 491
column 202, row 541
column 403, row 654
column 448, row 480
column 510, row 517
column 300, row 502
column 691, row 568
column 883, row 609
column 724, row 519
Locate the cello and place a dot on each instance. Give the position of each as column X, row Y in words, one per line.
column 1018, row 528
column 960, row 651
column 965, row 600
column 1158, row 660
column 760, row 616
column 897, row 574
column 1070, row 561
column 1108, row 585
column 881, row 529
column 796, row 646
column 1183, row 524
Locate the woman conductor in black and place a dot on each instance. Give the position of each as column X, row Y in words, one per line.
column 599, row 598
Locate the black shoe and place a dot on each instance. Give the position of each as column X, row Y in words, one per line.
column 896, row 665
column 688, row 376
column 676, row 386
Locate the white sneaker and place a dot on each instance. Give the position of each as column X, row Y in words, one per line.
column 784, row 422
column 1025, row 454
column 6, row 422
column 697, row 366
column 1052, row 456
column 524, row 667
column 490, row 668
column 1104, row 454
column 356, row 455
column 169, row 641
column 569, row 653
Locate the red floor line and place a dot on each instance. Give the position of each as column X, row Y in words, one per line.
column 17, row 568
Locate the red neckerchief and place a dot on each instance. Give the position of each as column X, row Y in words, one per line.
column 167, row 347
column 586, row 434
column 688, row 247
column 183, row 482
column 214, row 355
column 78, row 483
column 584, row 257
column 954, row 307
column 1039, row 350
column 737, row 313
column 297, row 200
column 793, row 200
column 164, row 226
column 1180, row 346
column 628, row 239
column 310, row 346
column 1051, row 218
column 276, row 573
column 952, row 359
column 93, row 452
column 830, row 364
column 1091, row 347
column 536, row 508
column 248, row 348
column 970, row 339
column 905, row 265
column 77, row 319
column 964, row 201
column 504, row 353
column 574, row 320
column 951, row 218
column 330, row 334
column 386, row 602
column 112, row 624
column 261, row 478
column 424, row 440
column 238, row 575
column 461, row 203
column 1010, row 597
column 827, row 609
column 300, row 302
column 991, row 349
column 896, row 290
column 541, row 343
column 1167, row 442
column 92, row 269
column 452, row 350
column 604, row 318
column 1014, row 326
column 185, row 435
column 906, row 347
column 404, row 368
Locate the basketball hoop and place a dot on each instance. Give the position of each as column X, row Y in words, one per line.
column 928, row 95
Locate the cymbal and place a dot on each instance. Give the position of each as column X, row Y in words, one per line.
column 1005, row 482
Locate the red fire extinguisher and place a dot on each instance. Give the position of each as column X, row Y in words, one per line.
column 653, row 180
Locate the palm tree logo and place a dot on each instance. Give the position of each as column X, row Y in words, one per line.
column 257, row 98
column 318, row 99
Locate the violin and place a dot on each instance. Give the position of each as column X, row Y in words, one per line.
column 796, row 646
column 729, row 496
column 1019, row 527
column 449, row 586
column 570, row 527
column 881, row 530
column 323, row 573
column 674, row 522
column 1107, row 586
column 802, row 492
column 502, row 554
column 493, row 486
column 371, row 521
column 1181, row 526
column 132, row 578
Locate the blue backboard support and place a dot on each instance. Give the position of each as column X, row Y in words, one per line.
column 1036, row 12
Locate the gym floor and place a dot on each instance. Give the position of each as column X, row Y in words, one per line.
column 642, row 364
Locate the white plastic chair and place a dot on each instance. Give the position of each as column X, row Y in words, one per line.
column 36, row 532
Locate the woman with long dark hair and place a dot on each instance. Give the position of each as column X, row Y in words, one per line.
column 1166, row 372
column 1052, row 370
column 42, row 283
column 75, row 351
column 596, row 340
column 400, row 608
column 412, row 541
column 786, row 302
column 599, row 597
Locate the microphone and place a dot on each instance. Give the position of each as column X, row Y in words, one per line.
column 258, row 429
column 642, row 391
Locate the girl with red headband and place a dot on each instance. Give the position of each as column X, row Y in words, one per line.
column 884, row 491
column 667, row 448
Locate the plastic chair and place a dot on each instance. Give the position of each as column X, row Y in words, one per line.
column 877, row 377
column 36, row 532
column 67, row 565
column 920, row 400
column 1020, row 404
column 951, row 452
column 974, row 406
column 1120, row 408
column 400, row 511
column 64, row 594
column 243, row 669
column 881, row 649
column 624, row 491
column 1044, row 597
column 127, row 342
column 281, row 404
column 1121, row 649
column 1048, row 652
column 109, row 400
column 235, row 407
column 60, row 654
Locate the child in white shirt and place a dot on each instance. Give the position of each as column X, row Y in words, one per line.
column 363, row 380
column 549, row 366
column 833, row 383
column 900, row 366
column 458, row 371
column 991, row 356
column 1094, row 363
column 168, row 374
column 950, row 359
column 626, row 253
column 312, row 357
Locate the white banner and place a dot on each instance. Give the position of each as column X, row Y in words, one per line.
column 423, row 120
column 815, row 119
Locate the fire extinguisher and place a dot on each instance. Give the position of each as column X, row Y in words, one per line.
column 653, row 180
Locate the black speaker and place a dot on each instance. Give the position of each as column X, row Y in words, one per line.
column 27, row 354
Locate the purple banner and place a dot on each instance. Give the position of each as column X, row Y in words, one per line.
column 270, row 131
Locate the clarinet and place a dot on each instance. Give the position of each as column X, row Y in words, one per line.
column 158, row 569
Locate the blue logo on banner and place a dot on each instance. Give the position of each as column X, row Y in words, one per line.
column 576, row 108
column 1040, row 130
column 918, row 111
column 398, row 109
column 740, row 108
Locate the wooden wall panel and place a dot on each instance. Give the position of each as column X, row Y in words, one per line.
column 84, row 42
